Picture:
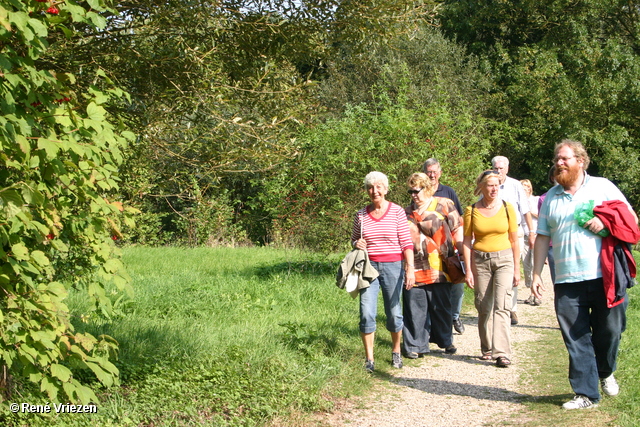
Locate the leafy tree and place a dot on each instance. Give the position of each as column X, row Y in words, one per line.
column 58, row 170
column 220, row 90
column 562, row 69
column 314, row 199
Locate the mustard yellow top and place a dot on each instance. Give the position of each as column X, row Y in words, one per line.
column 491, row 233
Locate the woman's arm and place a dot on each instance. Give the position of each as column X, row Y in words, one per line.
column 466, row 253
column 515, row 248
column 409, row 274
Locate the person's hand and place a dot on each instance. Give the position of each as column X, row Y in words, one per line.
column 516, row 278
column 361, row 244
column 595, row 225
column 532, row 239
column 409, row 277
column 469, row 279
column 537, row 286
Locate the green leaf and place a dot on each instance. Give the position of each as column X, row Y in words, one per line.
column 103, row 376
column 50, row 147
column 31, row 195
column 40, row 258
column 47, row 385
column 59, row 245
column 85, row 394
column 38, row 26
column 61, row 372
column 95, row 112
column 20, row 252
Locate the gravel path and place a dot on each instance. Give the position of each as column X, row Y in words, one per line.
column 453, row 390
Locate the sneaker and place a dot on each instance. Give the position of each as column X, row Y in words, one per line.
column 458, row 326
column 396, row 360
column 369, row 366
column 411, row 355
column 609, row 386
column 514, row 318
column 579, row 402
column 451, row 349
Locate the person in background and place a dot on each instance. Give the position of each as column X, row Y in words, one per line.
column 591, row 325
column 433, row 170
column 435, row 227
column 382, row 230
column 550, row 260
column 527, row 251
column 511, row 191
column 492, row 255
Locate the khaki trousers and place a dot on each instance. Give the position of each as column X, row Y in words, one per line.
column 493, row 274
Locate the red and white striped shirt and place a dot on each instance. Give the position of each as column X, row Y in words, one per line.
column 387, row 237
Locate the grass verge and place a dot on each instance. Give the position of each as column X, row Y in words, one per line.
column 225, row 337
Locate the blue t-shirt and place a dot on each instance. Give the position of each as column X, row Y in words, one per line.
column 576, row 250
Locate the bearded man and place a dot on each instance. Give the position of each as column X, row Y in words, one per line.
column 590, row 323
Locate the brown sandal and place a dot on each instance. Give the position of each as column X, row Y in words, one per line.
column 486, row 356
column 502, row 362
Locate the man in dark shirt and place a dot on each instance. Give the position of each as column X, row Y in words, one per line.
column 432, row 168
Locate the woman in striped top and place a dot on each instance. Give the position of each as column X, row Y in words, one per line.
column 382, row 230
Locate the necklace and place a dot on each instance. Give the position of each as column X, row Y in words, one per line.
column 377, row 210
column 487, row 206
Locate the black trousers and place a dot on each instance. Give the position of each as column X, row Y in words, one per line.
column 427, row 317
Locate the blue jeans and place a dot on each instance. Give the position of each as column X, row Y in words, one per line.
column 457, row 295
column 390, row 280
column 591, row 333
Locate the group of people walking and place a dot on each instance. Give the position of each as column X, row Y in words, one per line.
column 411, row 249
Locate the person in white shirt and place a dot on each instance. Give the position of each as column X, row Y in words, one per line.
column 527, row 253
column 511, row 191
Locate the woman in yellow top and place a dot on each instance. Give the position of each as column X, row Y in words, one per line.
column 494, row 260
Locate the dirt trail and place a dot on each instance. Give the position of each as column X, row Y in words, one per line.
column 453, row 390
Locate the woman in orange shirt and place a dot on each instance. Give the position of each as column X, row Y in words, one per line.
column 491, row 250
column 433, row 221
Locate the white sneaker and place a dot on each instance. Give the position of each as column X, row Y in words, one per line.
column 579, row 402
column 610, row 386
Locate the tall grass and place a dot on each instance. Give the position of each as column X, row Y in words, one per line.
column 218, row 336
column 626, row 407
column 237, row 337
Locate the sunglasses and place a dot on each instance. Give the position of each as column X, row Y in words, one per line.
column 490, row 172
column 414, row 191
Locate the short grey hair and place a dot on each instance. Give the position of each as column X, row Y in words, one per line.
column 430, row 162
column 499, row 159
column 376, row 177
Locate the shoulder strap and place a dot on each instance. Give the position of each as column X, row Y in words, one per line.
column 506, row 210
column 473, row 208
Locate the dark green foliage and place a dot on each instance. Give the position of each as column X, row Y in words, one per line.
column 313, row 201
column 562, row 69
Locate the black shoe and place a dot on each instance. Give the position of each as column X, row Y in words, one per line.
column 396, row 360
column 514, row 318
column 458, row 326
column 369, row 366
column 451, row 349
column 411, row 355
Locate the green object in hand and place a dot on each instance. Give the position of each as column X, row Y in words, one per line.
column 584, row 212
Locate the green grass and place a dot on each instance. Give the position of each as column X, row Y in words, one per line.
column 239, row 337
column 225, row 337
